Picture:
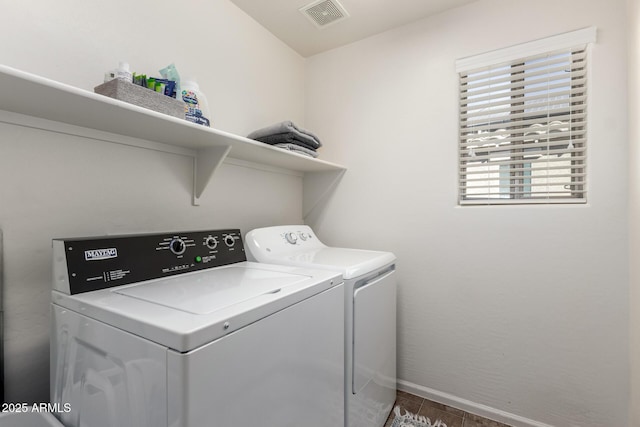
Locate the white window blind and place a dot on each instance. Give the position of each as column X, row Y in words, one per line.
column 523, row 129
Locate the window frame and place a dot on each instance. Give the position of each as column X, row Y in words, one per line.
column 520, row 58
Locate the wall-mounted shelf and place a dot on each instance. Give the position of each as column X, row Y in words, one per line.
column 39, row 97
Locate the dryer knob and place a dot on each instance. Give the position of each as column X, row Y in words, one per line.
column 303, row 236
column 291, row 238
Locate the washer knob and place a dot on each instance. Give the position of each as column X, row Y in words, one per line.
column 229, row 240
column 211, row 242
column 178, row 246
column 291, row 238
column 303, row 236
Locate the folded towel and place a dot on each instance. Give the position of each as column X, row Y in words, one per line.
column 287, row 127
column 288, row 138
column 298, row 149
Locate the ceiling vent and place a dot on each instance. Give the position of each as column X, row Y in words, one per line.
column 324, row 13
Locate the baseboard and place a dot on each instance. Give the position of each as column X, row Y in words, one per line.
column 468, row 406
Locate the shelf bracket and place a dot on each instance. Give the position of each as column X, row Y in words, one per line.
column 317, row 186
column 205, row 163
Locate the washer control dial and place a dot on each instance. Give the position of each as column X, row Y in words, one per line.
column 211, row 242
column 304, row 236
column 229, row 240
column 177, row 246
column 291, row 238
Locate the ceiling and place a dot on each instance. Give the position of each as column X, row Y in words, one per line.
column 366, row 18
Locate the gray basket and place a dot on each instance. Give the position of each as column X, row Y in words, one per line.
column 142, row 97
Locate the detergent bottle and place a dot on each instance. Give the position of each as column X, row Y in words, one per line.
column 196, row 107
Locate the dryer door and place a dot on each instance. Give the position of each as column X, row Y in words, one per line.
column 374, row 337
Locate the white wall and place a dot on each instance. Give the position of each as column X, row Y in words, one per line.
column 53, row 185
column 248, row 75
column 518, row 312
column 634, row 202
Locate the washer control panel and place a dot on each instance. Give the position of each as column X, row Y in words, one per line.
column 104, row 262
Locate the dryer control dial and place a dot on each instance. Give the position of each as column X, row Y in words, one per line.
column 304, row 236
column 291, row 238
column 177, row 246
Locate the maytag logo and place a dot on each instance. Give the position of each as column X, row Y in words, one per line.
column 98, row 254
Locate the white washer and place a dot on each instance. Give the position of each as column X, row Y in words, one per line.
column 370, row 313
column 179, row 330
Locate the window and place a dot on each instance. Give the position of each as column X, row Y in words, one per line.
column 523, row 126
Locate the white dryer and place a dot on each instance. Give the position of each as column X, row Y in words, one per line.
column 179, row 330
column 370, row 313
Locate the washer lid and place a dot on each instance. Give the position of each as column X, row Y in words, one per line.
column 213, row 290
column 350, row 262
column 187, row 311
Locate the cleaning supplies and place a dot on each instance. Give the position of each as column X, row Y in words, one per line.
column 121, row 73
column 170, row 72
column 196, row 107
column 194, row 103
